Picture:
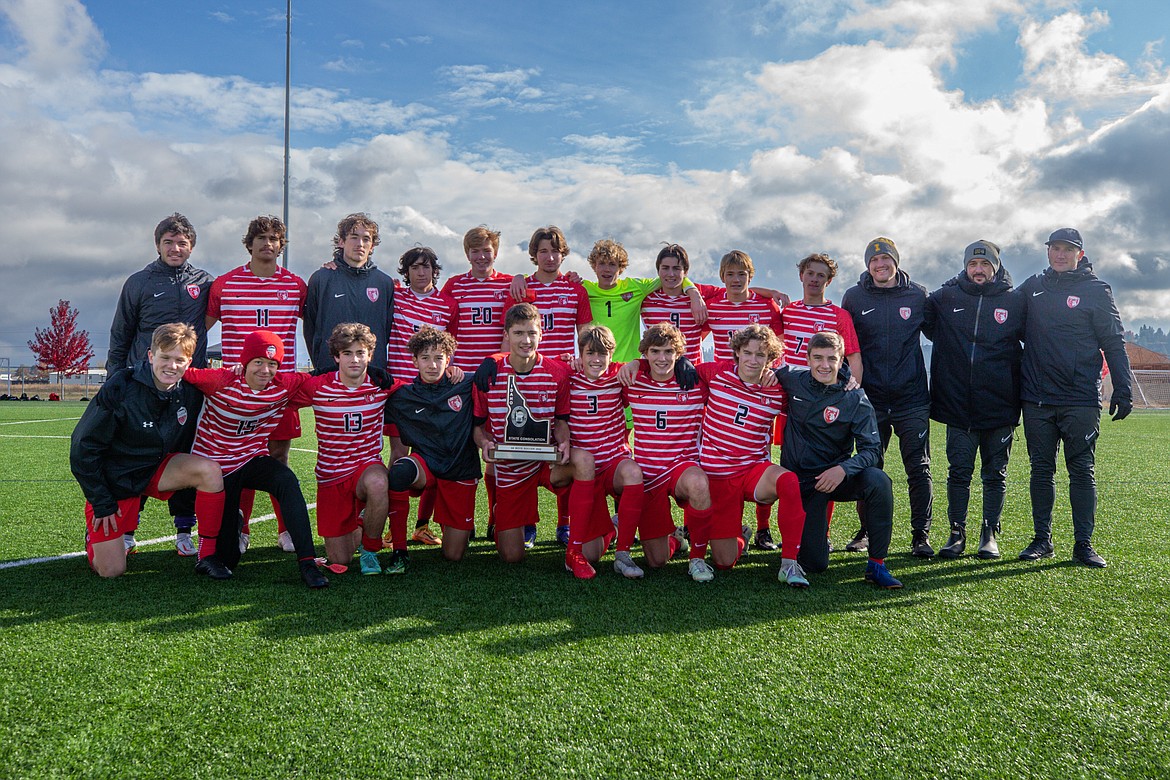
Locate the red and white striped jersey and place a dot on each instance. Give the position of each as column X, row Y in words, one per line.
column 803, row 321
column 479, row 322
column 725, row 318
column 563, row 306
column 737, row 421
column 236, row 420
column 675, row 309
column 244, row 302
column 666, row 424
column 412, row 311
column 348, row 421
column 546, row 392
column 598, row 421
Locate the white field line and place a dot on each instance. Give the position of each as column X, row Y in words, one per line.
column 29, row 422
column 141, row 543
column 30, row 436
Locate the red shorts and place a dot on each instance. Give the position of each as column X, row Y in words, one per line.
column 516, row 504
column 656, row 517
column 128, row 509
column 454, row 499
column 338, row 506
column 390, row 430
column 289, row 427
column 727, row 497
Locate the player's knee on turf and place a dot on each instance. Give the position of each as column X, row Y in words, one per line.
column 109, row 558
column 510, row 544
column 656, row 551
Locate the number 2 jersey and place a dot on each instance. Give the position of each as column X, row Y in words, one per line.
column 236, row 421
column 737, row 420
column 244, row 302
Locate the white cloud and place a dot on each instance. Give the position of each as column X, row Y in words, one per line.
column 58, row 38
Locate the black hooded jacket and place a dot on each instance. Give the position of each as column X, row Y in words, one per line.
column 975, row 363
column 347, row 294
column 888, row 321
column 825, row 424
column 1072, row 319
column 154, row 296
column 126, row 431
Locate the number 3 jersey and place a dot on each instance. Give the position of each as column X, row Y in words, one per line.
column 236, row 420
column 244, row 302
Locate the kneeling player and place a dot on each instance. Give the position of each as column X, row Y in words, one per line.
column 826, row 422
column 351, row 478
column 544, row 385
column 666, row 436
column 598, row 425
column 124, row 447
column 737, row 427
column 434, row 417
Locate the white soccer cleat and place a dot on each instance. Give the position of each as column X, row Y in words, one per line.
column 700, row 570
column 245, row 542
column 624, row 565
column 285, row 542
column 792, row 574
column 131, row 543
column 183, row 544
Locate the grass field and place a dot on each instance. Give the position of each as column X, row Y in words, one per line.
column 975, row 669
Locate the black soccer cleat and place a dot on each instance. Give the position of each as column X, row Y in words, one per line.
column 1041, row 547
column 1084, row 554
column 213, row 568
column 311, row 575
column 859, row 543
column 764, row 541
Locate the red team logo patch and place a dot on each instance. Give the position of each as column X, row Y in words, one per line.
column 627, row 297
column 193, row 291
column 270, row 352
column 1001, row 316
column 181, row 415
column 372, row 294
column 1073, row 301
column 282, row 295
column 831, row 413
column 455, row 402
column 754, row 319
column 904, row 312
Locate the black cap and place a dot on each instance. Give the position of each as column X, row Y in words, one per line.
column 1068, row 236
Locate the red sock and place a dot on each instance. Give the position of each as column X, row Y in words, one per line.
column 279, row 515
column 699, row 523
column 607, row 540
column 399, row 512
column 564, row 513
column 629, row 515
column 247, row 498
column 580, row 500
column 426, row 503
column 371, row 543
column 489, row 483
column 762, row 513
column 672, row 544
column 878, row 561
column 789, row 514
column 209, row 514
column 828, row 516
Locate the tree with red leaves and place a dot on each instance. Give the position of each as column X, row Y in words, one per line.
column 61, row 347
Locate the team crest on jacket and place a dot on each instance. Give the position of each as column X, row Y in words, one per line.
column 455, row 402
column 193, row 291
column 181, row 415
column 372, row 294
column 1073, row 301
column 831, row 413
column 904, row 312
column 1001, row 316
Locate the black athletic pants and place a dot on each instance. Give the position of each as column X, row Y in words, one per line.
column 874, row 493
column 1076, row 427
column 266, row 474
column 994, row 447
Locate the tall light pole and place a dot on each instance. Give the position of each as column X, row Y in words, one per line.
column 287, row 73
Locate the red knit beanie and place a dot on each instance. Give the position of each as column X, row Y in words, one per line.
column 262, row 344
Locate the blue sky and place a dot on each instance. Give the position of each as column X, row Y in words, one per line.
column 776, row 127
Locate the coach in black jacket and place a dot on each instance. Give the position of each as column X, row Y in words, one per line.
column 976, row 321
column 826, row 423
column 887, row 310
column 1072, row 319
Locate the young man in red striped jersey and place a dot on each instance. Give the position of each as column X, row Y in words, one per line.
column 743, row 404
column 417, row 303
column 240, row 412
column 670, row 304
column 480, row 294
column 814, row 313
column 666, row 436
column 544, row 384
column 732, row 308
column 261, row 295
column 564, row 309
column 598, row 425
column 348, row 413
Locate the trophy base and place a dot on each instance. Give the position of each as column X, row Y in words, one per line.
column 543, row 452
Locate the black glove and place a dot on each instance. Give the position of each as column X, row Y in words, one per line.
column 485, row 375
column 1119, row 409
column 380, row 377
column 685, row 373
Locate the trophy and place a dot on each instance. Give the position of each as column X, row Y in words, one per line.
column 525, row 438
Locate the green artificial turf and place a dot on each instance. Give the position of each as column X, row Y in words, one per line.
column 479, row 669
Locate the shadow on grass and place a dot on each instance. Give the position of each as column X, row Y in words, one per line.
column 505, row 611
